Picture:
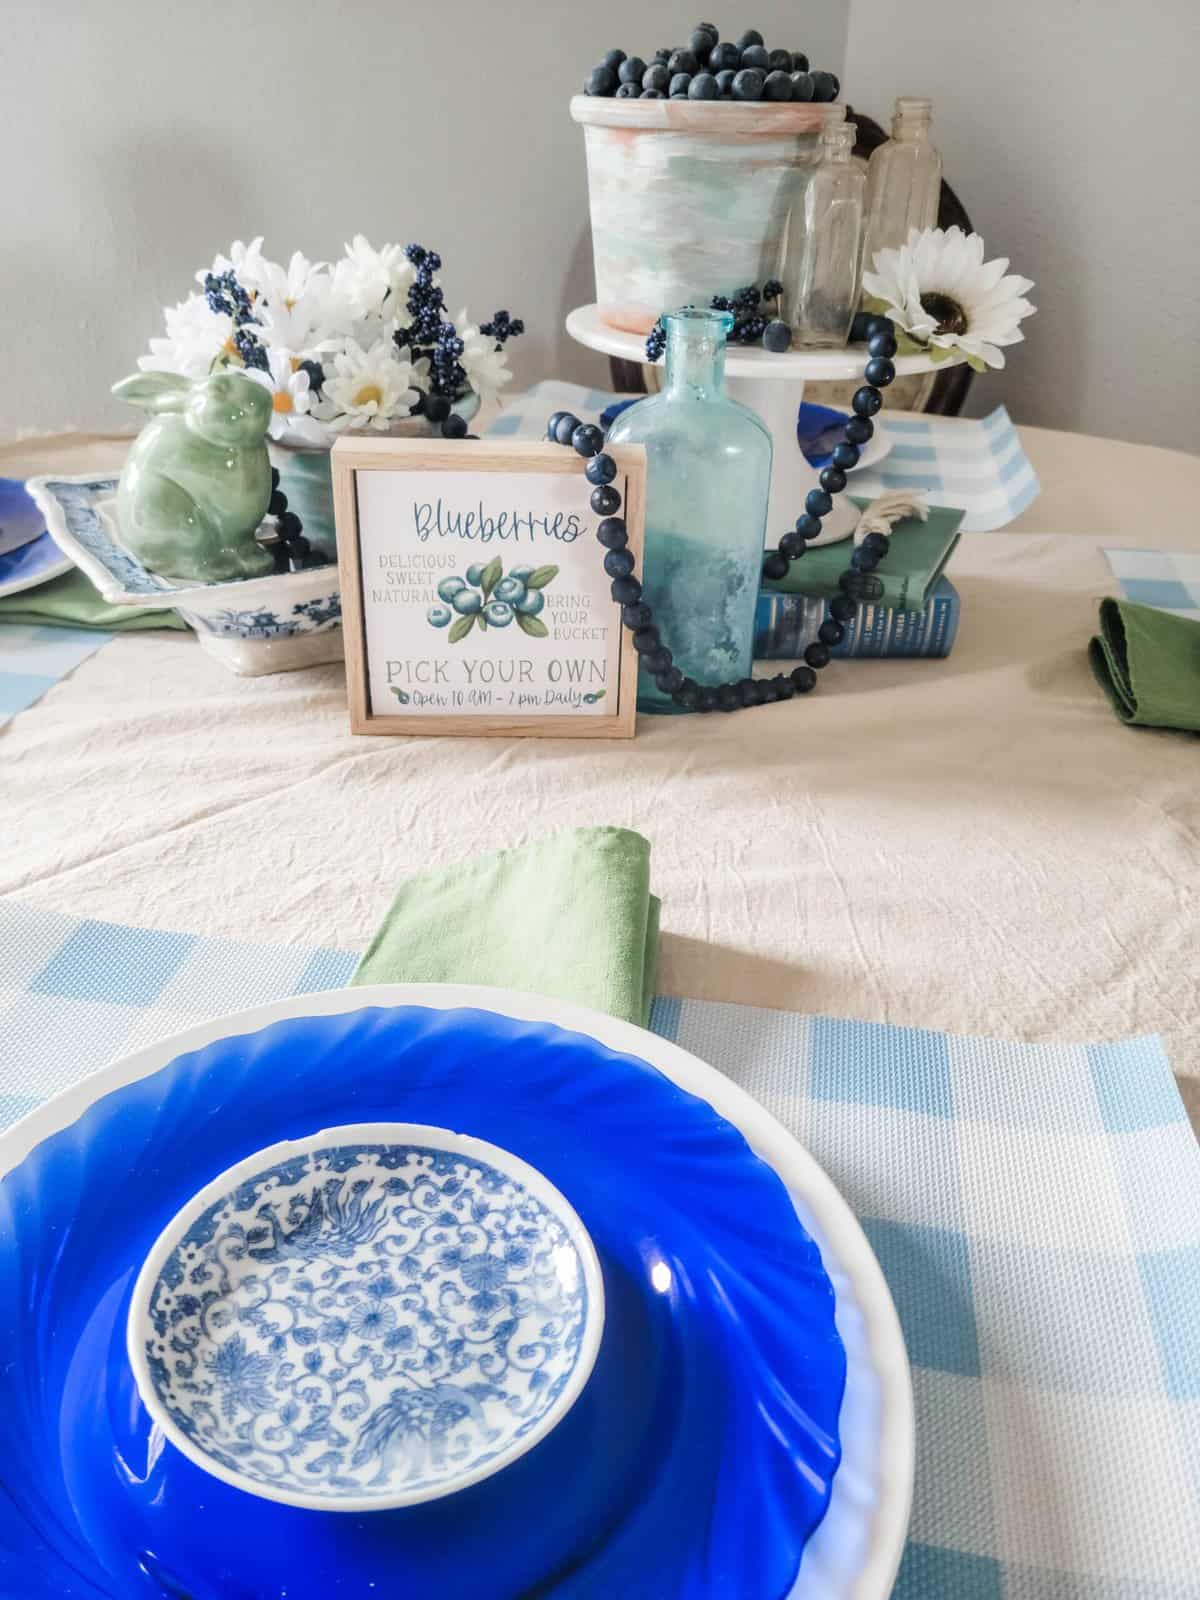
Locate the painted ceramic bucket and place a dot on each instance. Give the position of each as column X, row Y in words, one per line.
column 306, row 477
column 690, row 198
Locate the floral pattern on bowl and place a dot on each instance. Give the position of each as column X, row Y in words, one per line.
column 269, row 624
column 373, row 1317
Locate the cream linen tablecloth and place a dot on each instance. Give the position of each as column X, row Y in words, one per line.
column 975, row 845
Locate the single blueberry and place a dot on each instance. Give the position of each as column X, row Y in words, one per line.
column 670, row 680
column 662, row 56
column 877, row 324
column 859, row 327
column 612, row 533
column 531, row 602
column 568, row 422
column 799, row 61
column 587, row 440
column 687, row 695
column 817, row 655
column 831, row 632
column 750, row 37
column 703, row 87
column 682, row 61
column 631, row 70
column 656, row 77
column 708, row 699
column 725, row 81
column 748, row 85
column 498, row 613
column 783, row 686
column 866, row 402
column 553, row 422
column 601, row 81
column 833, row 479
column 825, row 86
column 882, row 344
column 449, row 587
column 728, row 698
column 778, row 86
column 612, row 59
column 605, row 500
column 842, row 608
column 879, row 371
column 804, row 678
column 523, row 574
column 628, row 91
column 817, row 503
column 646, row 640
column 702, row 41
column 510, row 589
column 475, row 574
column 781, row 61
column 439, row 616
column 681, row 82
column 756, row 55
column 626, row 591
column 659, row 660
column 437, row 408
column 845, row 455
column 638, row 616
column 600, row 469
column 859, row 430
column 454, row 427
column 807, row 527
column 802, row 86
column 777, row 337
column 792, row 546
column 775, row 566
column 878, row 543
column 864, row 560
column 466, row 602
column 619, row 563
column 725, row 57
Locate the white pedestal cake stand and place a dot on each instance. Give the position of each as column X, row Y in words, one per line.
column 773, row 387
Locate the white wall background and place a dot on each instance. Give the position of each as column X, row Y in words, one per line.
column 1071, row 132
column 138, row 139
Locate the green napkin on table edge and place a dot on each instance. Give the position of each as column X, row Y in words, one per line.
column 916, row 560
column 72, row 601
column 571, row 917
column 1148, row 664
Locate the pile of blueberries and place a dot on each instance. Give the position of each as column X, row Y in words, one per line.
column 499, row 603
column 708, row 69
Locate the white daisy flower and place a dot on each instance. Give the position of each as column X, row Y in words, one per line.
column 291, row 400
column 197, row 339
column 245, row 261
column 939, row 291
column 485, row 365
column 364, row 277
column 368, row 388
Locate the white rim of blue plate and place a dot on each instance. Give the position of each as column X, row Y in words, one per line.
column 886, row 1471
column 51, row 568
column 421, row 1133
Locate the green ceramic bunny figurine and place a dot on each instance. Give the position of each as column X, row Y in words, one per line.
column 197, row 481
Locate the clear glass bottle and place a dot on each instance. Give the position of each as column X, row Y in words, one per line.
column 708, row 479
column 824, row 246
column 904, row 179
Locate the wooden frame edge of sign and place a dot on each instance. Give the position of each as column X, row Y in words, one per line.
column 350, row 456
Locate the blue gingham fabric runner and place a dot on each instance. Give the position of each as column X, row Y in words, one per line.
column 1168, row 579
column 34, row 658
column 1036, row 1209
column 979, row 466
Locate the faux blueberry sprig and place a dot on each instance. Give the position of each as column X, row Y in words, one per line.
column 636, row 613
column 750, row 326
column 225, row 294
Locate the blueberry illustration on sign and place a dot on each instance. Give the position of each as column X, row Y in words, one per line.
column 493, row 600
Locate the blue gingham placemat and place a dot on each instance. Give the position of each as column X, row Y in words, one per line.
column 34, row 658
column 1168, row 579
column 980, row 466
column 1036, row 1209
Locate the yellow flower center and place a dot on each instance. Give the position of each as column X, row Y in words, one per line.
column 289, row 302
column 368, row 392
column 281, row 401
column 229, row 347
column 295, row 363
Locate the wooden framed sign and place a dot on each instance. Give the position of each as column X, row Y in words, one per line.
column 474, row 596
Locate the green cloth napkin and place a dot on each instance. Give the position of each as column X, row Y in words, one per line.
column 571, row 916
column 1148, row 664
column 917, row 558
column 73, row 602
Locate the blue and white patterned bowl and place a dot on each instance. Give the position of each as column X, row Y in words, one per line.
column 276, row 623
column 371, row 1317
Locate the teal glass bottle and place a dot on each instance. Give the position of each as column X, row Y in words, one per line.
column 708, row 480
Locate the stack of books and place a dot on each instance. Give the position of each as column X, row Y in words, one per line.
column 909, row 607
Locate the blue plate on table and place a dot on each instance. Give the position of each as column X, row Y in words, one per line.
column 749, row 1344
column 28, row 555
column 820, row 428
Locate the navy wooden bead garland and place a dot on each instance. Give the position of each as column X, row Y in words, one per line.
column 636, row 613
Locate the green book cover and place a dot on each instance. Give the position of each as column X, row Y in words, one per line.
column 915, row 562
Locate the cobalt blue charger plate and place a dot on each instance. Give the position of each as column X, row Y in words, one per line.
column 28, row 554
column 697, row 1462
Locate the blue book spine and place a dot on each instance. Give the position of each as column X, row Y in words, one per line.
column 785, row 624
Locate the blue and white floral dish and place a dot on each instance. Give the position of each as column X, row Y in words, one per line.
column 373, row 1317
column 272, row 624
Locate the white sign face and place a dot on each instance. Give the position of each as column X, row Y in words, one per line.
column 484, row 594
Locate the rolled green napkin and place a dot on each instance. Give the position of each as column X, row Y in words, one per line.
column 73, row 602
column 571, row 916
column 1148, row 664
